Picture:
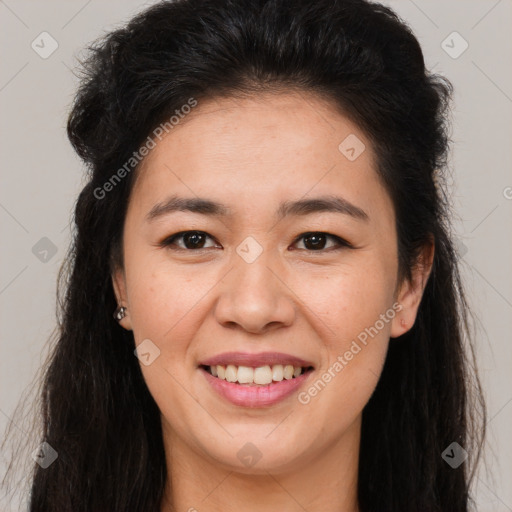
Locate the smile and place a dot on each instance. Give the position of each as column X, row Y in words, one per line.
column 255, row 380
column 262, row 375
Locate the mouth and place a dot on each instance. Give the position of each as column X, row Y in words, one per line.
column 259, row 376
column 255, row 380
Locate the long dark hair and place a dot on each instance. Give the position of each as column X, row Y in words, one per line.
column 96, row 410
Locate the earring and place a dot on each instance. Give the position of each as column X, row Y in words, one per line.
column 120, row 313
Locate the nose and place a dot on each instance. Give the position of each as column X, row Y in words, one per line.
column 255, row 297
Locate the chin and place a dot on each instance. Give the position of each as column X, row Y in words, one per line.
column 258, row 454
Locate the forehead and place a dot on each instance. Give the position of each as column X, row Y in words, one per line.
column 254, row 149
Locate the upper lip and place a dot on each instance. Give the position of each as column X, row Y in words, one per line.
column 255, row 360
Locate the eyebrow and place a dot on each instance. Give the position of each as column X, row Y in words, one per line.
column 212, row 208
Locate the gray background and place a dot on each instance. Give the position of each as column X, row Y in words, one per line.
column 41, row 177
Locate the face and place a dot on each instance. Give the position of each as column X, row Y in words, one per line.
column 296, row 267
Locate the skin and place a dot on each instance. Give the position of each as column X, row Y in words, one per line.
column 251, row 154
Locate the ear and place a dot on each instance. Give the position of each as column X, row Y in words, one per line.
column 411, row 291
column 119, row 284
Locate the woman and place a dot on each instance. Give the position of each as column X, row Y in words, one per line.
column 264, row 216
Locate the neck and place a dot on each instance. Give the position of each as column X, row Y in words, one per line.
column 326, row 482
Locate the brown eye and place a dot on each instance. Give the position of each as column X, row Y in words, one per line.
column 196, row 240
column 191, row 240
column 316, row 241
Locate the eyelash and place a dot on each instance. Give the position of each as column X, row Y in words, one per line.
column 342, row 244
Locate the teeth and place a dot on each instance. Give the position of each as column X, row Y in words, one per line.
column 277, row 372
column 245, row 375
column 231, row 373
column 288, row 372
column 262, row 375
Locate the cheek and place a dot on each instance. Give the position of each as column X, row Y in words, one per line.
column 350, row 300
column 355, row 351
column 355, row 310
column 162, row 297
column 164, row 307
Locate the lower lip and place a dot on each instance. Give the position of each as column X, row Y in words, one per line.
column 258, row 395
